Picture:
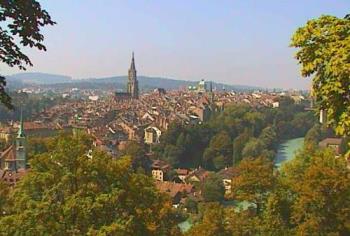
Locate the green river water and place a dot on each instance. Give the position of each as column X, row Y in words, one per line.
column 286, row 150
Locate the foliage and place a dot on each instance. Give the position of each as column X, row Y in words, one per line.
column 276, row 216
column 68, row 193
column 310, row 196
column 316, row 134
column 218, row 220
column 221, row 142
column 213, row 189
column 238, row 145
column 30, row 104
column 37, row 145
column 218, row 154
column 242, row 223
column 212, row 223
column 254, row 182
column 138, row 156
column 24, row 19
column 4, row 191
column 253, row 148
column 322, row 197
column 191, row 205
column 323, row 52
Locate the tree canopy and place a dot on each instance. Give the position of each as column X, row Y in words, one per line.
column 23, row 20
column 323, row 52
column 237, row 132
column 213, row 189
column 66, row 192
column 254, row 182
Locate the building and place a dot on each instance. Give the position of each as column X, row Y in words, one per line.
column 13, row 161
column 132, row 85
column 227, row 175
column 198, row 175
column 182, row 174
column 159, row 169
column 6, row 134
column 176, row 191
column 202, row 86
column 323, row 116
column 152, row 135
column 337, row 144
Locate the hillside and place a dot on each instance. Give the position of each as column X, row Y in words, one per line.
column 39, row 78
column 116, row 82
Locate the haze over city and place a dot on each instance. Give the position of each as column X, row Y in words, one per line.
column 234, row 42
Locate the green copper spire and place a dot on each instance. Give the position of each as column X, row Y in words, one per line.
column 21, row 128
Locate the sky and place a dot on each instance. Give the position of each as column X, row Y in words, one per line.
column 235, row 42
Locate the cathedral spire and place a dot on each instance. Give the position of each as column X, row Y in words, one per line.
column 133, row 84
column 132, row 67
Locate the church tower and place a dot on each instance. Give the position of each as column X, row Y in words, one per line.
column 133, row 84
column 21, row 143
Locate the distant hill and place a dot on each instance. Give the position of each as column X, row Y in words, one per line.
column 39, row 78
column 115, row 82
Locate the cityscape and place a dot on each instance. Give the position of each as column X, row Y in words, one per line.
column 154, row 155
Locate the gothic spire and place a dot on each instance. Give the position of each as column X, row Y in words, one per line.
column 132, row 67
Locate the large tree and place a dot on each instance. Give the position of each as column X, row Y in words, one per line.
column 212, row 222
column 66, row 192
column 324, row 53
column 213, row 189
column 254, row 182
column 321, row 186
column 20, row 25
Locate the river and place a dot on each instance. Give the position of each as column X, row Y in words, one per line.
column 286, row 150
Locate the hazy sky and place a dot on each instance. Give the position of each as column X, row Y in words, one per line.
column 235, row 42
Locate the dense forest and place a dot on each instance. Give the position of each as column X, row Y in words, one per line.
column 238, row 132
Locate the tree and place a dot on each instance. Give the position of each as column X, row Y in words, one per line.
column 322, row 195
column 255, row 120
column 37, row 145
column 208, row 156
column 243, row 223
column 24, row 20
column 212, row 223
column 276, row 216
column 268, row 137
column 191, row 205
column 172, row 155
column 238, row 145
column 213, row 189
column 222, row 144
column 4, row 191
column 138, row 156
column 316, row 134
column 323, row 52
column 301, row 123
column 219, row 162
column 253, row 148
column 68, row 193
column 254, row 182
